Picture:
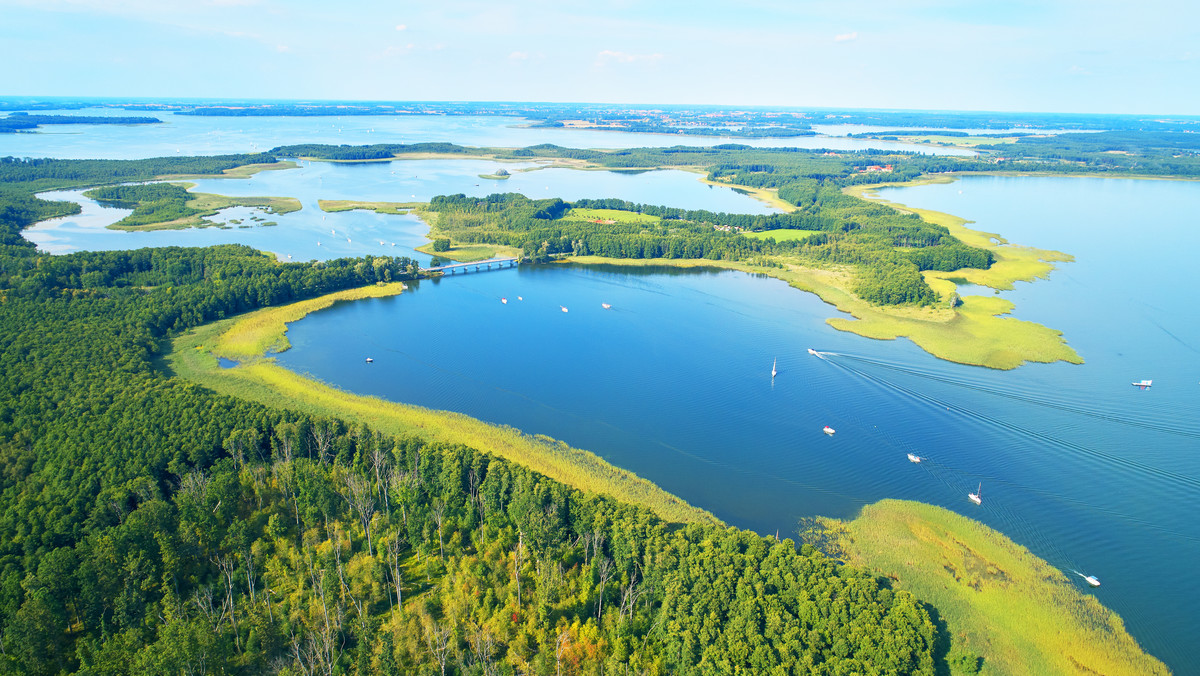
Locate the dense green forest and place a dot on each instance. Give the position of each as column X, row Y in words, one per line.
column 21, row 121
column 150, row 526
column 150, row 202
column 888, row 249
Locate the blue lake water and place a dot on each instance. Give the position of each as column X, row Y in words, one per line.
column 312, row 234
column 674, row 383
column 196, row 135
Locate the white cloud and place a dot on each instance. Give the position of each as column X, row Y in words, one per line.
column 518, row 56
column 282, row 48
column 845, row 37
column 1078, row 70
column 401, row 27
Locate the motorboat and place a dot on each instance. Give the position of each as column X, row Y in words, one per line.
column 914, row 458
column 828, row 430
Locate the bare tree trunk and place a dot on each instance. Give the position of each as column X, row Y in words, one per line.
column 439, row 514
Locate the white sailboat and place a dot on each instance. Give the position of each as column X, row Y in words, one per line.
column 976, row 497
column 773, row 369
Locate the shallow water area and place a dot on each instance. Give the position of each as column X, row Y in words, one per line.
column 311, row 234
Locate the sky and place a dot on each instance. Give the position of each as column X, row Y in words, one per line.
column 1079, row 56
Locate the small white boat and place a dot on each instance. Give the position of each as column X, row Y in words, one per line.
column 369, row 360
column 828, row 430
column 504, row 300
column 1090, row 579
column 914, row 458
column 812, row 351
column 976, row 497
column 1143, row 384
column 606, row 306
column 563, row 308
column 520, row 298
column 773, row 364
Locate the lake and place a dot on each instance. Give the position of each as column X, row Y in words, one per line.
column 674, row 383
column 201, row 135
column 312, row 234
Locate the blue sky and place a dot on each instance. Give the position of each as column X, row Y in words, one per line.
column 1057, row 56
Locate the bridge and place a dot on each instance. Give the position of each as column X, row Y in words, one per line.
column 476, row 266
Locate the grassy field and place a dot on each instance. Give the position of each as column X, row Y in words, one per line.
column 395, row 208
column 209, row 204
column 615, row 215
column 467, row 253
column 248, row 338
column 781, row 235
column 998, row 601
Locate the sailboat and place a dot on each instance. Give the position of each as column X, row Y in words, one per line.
column 773, row 370
column 976, row 497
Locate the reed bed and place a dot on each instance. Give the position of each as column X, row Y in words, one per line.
column 999, row 601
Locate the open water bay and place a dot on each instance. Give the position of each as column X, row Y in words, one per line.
column 673, row 382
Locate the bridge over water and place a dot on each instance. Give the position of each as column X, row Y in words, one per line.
column 475, row 266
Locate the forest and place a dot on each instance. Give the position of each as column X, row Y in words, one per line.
column 888, row 249
column 148, row 525
column 20, row 121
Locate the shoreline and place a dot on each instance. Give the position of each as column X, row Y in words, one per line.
column 250, row 338
column 1003, row 606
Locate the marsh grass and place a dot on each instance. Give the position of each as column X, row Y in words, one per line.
column 209, row 204
column 999, row 601
column 472, row 252
column 247, row 339
column 393, row 208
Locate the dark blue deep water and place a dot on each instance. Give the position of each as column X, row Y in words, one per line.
column 673, row 382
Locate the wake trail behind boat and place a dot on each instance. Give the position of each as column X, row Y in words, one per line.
column 1025, row 398
column 1166, row 476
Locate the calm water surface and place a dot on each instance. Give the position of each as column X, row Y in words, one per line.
column 195, row 135
column 674, row 383
column 312, row 234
